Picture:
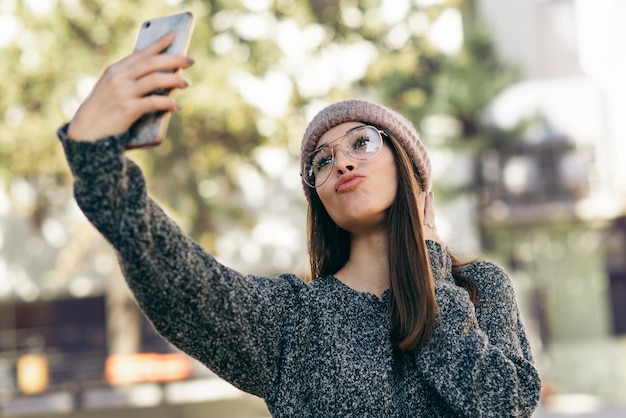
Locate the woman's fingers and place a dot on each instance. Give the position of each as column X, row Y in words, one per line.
column 121, row 95
column 157, row 81
column 159, row 62
column 159, row 45
column 153, row 103
column 116, row 102
column 95, row 122
column 427, row 205
column 429, row 208
column 153, row 49
column 124, row 82
column 151, row 59
column 147, row 61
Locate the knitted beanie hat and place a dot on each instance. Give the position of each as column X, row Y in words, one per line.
column 357, row 110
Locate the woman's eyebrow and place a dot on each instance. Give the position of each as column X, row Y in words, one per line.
column 338, row 138
column 325, row 145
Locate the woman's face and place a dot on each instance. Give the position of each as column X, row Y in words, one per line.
column 358, row 192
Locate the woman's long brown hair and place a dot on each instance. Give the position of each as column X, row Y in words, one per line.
column 412, row 304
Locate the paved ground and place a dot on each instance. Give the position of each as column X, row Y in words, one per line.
column 235, row 404
column 601, row 413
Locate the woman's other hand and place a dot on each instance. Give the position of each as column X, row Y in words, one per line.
column 120, row 97
column 426, row 204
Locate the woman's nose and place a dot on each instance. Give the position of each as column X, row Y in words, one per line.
column 343, row 163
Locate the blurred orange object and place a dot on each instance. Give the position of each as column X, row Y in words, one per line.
column 32, row 373
column 124, row 369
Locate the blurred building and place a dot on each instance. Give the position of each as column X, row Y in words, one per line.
column 552, row 204
column 73, row 341
column 94, row 354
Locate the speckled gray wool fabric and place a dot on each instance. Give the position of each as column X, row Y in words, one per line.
column 316, row 349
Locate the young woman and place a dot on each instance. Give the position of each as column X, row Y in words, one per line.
column 391, row 326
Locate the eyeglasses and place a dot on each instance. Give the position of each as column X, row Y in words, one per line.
column 360, row 143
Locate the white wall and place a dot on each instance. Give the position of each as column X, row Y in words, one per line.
column 539, row 36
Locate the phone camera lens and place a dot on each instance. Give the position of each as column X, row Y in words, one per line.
column 147, row 24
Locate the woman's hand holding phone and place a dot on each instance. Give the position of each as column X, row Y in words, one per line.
column 121, row 96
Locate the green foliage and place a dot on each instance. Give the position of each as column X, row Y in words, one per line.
column 45, row 72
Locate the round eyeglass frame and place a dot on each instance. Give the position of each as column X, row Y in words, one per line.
column 346, row 152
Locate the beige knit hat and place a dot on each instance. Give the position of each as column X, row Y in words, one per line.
column 357, row 110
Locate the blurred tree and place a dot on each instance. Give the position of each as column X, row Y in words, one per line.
column 52, row 63
column 261, row 67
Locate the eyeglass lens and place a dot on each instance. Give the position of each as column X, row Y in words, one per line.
column 361, row 143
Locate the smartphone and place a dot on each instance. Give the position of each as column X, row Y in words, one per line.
column 149, row 130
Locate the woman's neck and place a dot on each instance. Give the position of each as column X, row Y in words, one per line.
column 367, row 269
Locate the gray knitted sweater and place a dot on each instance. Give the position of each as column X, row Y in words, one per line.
column 317, row 349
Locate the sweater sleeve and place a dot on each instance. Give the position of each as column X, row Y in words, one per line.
column 230, row 322
column 479, row 360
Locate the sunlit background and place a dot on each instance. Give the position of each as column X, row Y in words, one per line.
column 521, row 104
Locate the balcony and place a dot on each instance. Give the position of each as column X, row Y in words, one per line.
column 534, row 183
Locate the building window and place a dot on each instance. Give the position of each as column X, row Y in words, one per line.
column 615, row 245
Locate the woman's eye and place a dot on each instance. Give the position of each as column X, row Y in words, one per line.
column 360, row 142
column 322, row 161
